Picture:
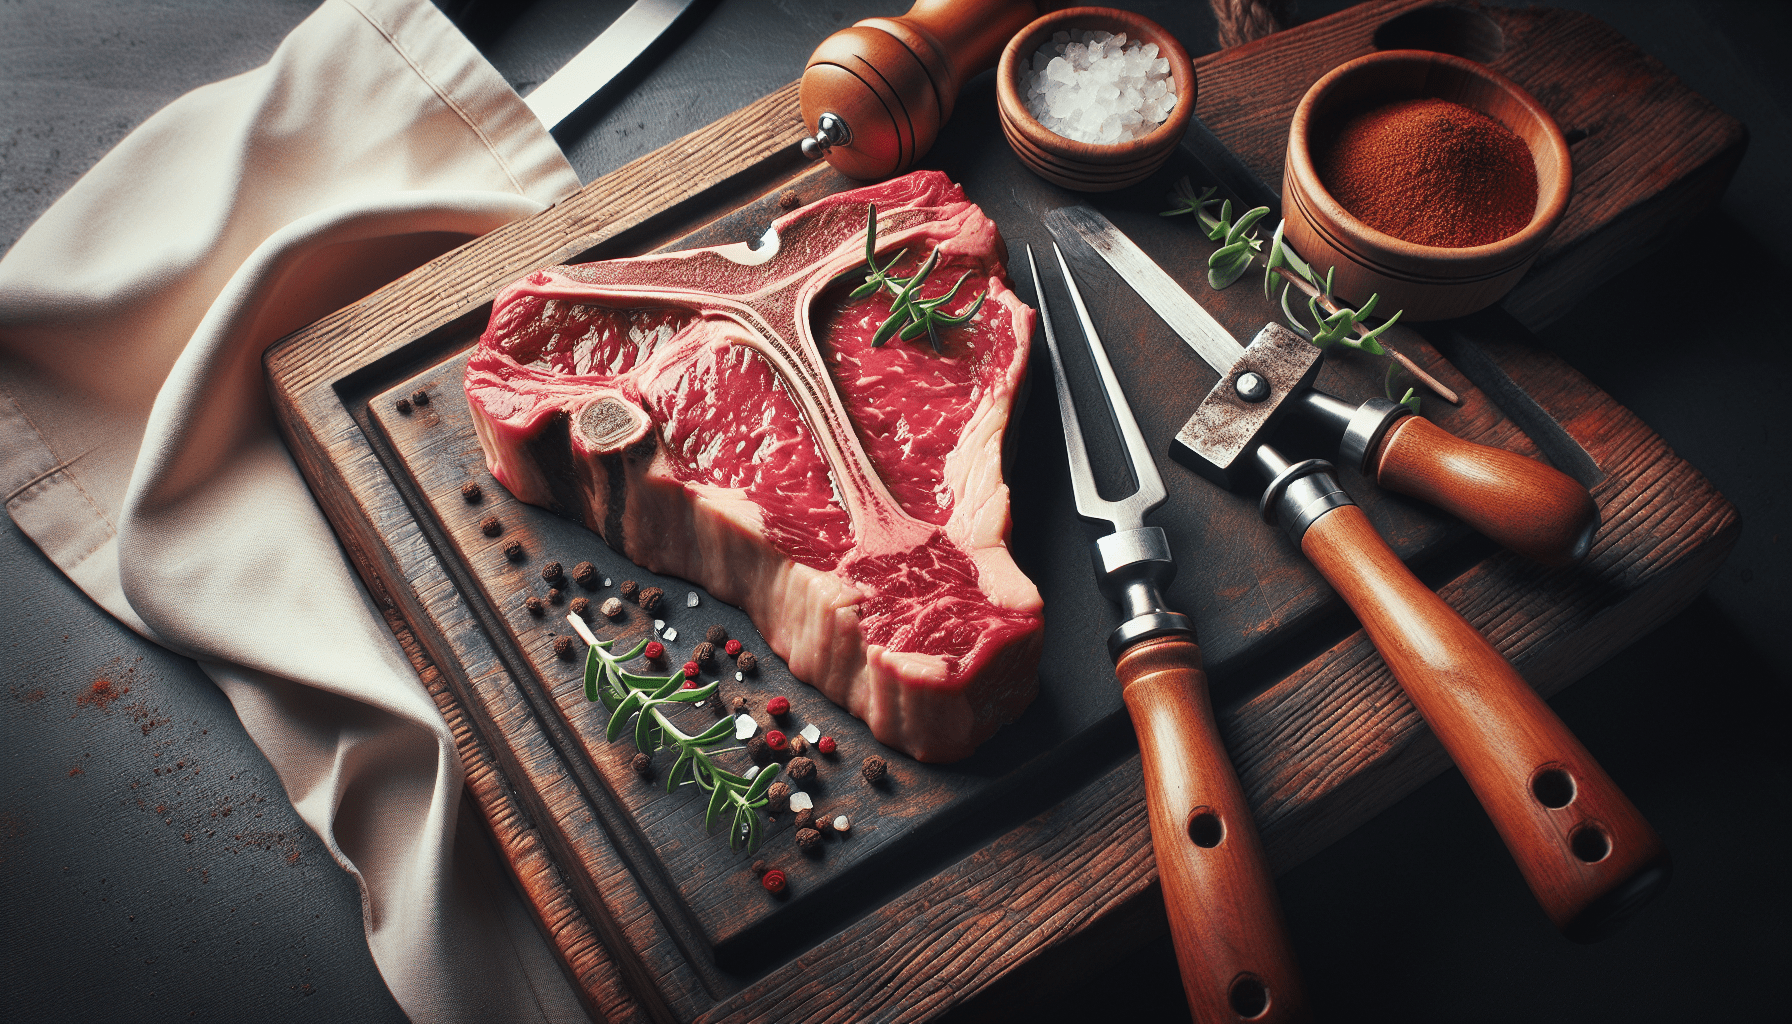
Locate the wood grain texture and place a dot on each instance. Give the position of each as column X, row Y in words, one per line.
column 1523, row 504
column 1231, row 945
column 1049, row 853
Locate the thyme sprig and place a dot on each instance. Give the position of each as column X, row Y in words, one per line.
column 910, row 315
column 649, row 701
column 1332, row 322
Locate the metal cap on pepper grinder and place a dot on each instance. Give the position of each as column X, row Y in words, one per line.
column 876, row 94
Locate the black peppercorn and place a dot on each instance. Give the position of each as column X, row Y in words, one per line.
column 581, row 607
column 514, row 551
column 649, row 599
column 555, row 596
column 740, row 705
column 758, row 750
column 534, row 604
column 778, row 797
column 419, row 397
column 823, row 824
column 563, row 647
column 807, row 839
column 789, row 200
column 470, row 491
column 761, row 867
column 747, row 661
column 490, row 526
column 403, row 405
column 642, row 764
column 805, row 818
column 704, row 653
column 629, row 589
column 552, row 572
column 874, row 769
column 586, row 574
column 716, row 635
column 801, row 768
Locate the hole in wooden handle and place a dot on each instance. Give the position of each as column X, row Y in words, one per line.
column 1205, row 828
column 1553, row 787
column 1590, row 843
column 1249, row 996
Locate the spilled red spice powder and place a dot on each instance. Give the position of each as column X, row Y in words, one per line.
column 101, row 694
column 1432, row 172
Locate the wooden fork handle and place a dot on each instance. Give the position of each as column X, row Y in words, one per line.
column 1529, row 507
column 1227, row 926
column 1586, row 852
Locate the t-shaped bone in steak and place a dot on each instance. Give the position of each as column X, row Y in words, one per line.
column 849, row 498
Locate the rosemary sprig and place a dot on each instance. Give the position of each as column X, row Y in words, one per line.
column 1333, row 322
column 649, row 699
column 910, row 315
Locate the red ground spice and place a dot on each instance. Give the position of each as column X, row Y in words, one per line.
column 101, row 694
column 1432, row 172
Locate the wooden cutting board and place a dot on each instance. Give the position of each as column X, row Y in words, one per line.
column 1017, row 860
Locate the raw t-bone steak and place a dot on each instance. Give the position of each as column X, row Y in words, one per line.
column 849, row 498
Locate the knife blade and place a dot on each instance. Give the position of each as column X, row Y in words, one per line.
column 614, row 51
column 1524, row 504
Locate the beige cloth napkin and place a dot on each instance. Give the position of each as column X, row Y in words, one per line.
column 138, row 449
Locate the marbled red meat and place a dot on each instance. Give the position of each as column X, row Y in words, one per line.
column 849, row 498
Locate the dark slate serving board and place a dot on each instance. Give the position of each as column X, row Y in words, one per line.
column 957, row 875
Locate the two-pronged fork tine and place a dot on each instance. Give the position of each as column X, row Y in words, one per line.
column 1128, row 513
column 1230, row 944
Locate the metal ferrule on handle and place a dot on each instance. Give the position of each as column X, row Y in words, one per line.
column 1132, row 568
column 1298, row 494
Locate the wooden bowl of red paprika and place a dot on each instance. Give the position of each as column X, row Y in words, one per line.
column 1436, row 208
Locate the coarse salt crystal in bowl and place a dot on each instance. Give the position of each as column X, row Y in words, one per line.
column 1083, row 86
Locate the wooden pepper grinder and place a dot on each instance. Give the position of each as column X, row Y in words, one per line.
column 876, row 94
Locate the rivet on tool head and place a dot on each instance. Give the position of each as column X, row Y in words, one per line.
column 1251, row 386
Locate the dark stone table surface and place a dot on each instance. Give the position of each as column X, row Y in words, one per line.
column 109, row 912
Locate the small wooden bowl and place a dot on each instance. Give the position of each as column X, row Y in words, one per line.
column 1086, row 166
column 1427, row 282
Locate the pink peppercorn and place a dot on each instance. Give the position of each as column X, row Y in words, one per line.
column 655, row 651
column 690, row 684
column 690, row 670
column 732, row 647
column 773, row 881
column 826, row 745
column 779, row 706
column 777, row 740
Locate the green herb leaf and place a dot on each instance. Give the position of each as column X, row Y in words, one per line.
column 679, row 767
column 592, row 694
column 619, row 717
column 763, row 781
column 717, row 800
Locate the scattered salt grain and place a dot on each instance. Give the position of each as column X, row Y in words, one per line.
column 811, row 732
column 690, row 599
column 801, row 801
column 740, row 677
column 745, row 727
column 659, row 624
column 752, row 773
column 606, row 581
column 670, row 633
column 841, row 824
column 1096, row 87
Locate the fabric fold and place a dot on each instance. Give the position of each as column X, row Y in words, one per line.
column 141, row 455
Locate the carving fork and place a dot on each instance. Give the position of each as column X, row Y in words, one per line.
column 1231, row 946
